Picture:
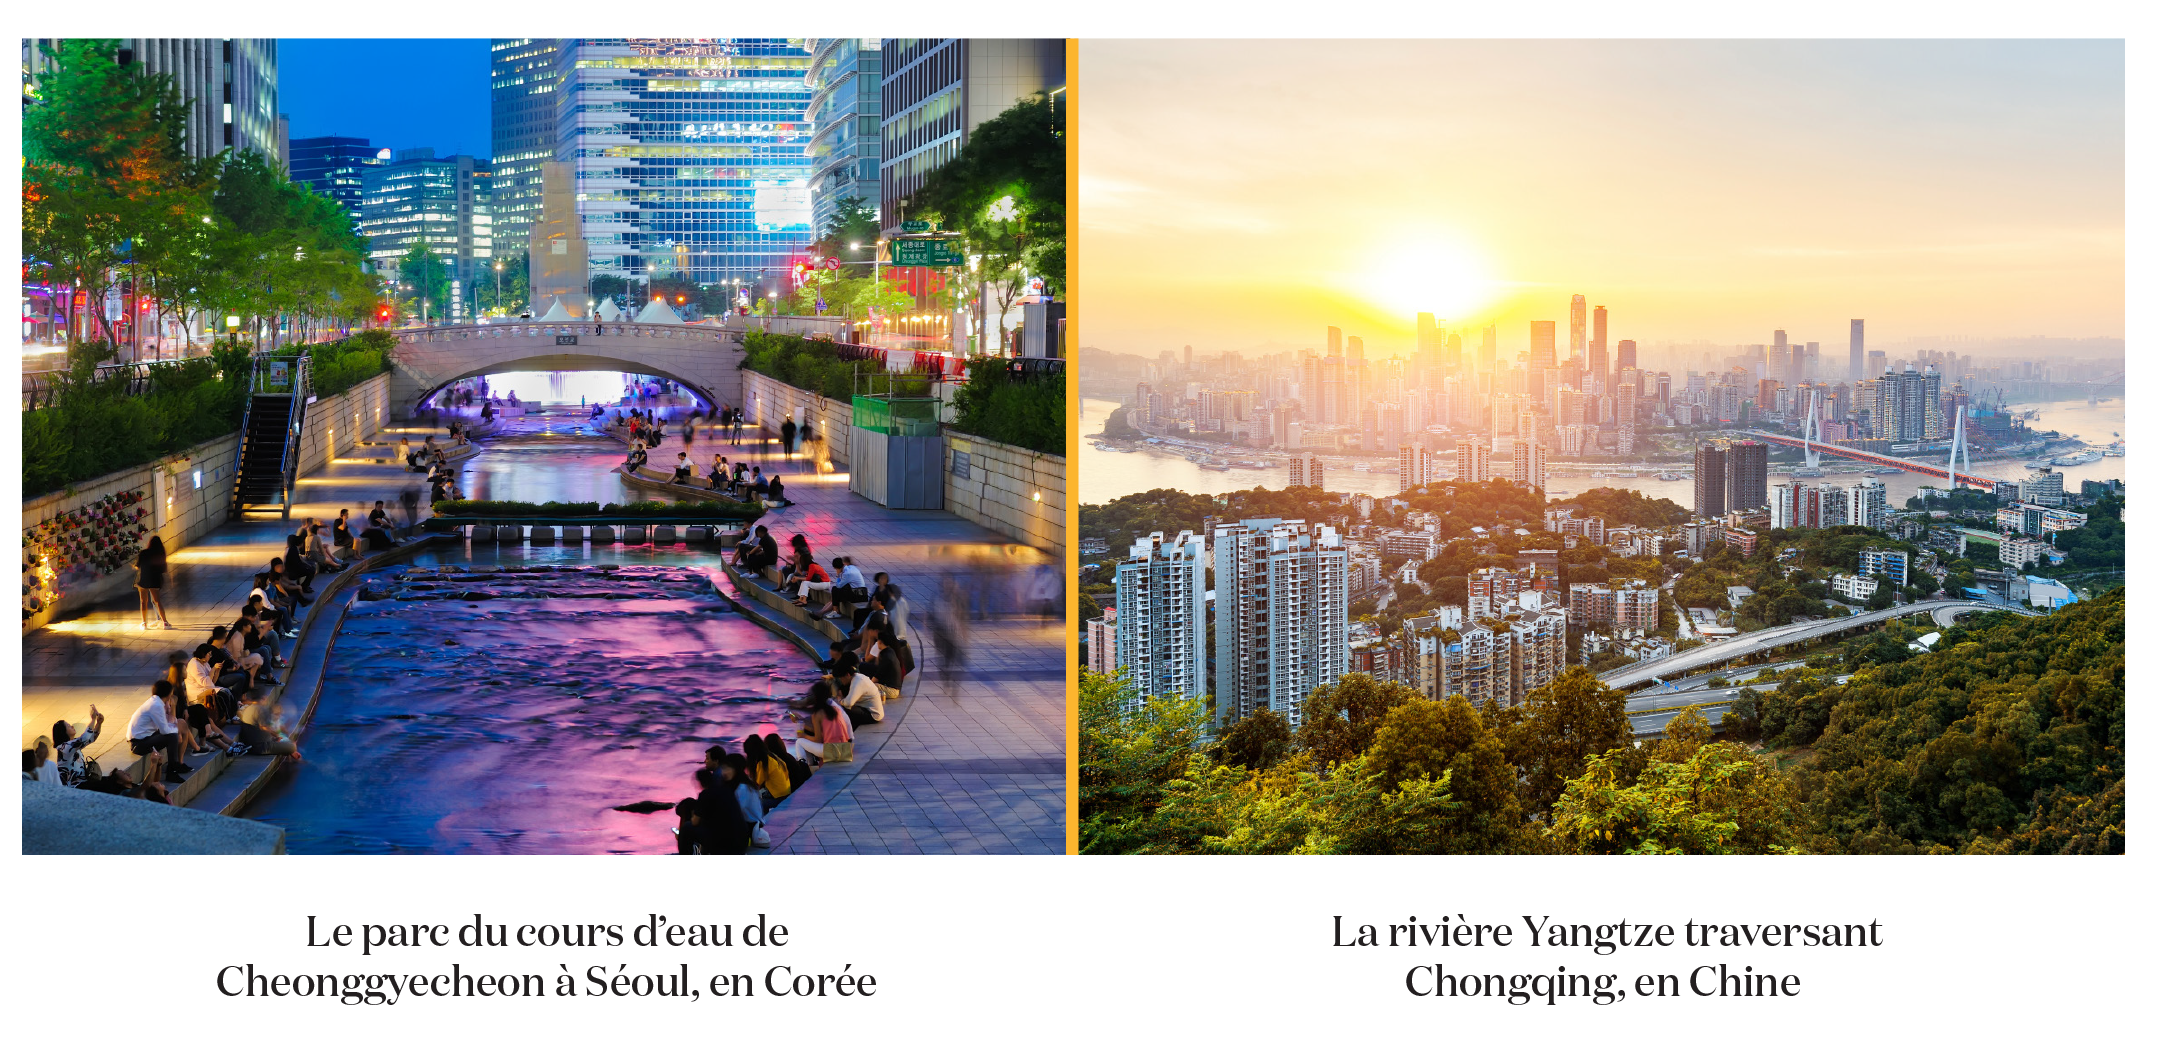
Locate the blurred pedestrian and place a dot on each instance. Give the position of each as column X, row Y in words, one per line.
column 949, row 633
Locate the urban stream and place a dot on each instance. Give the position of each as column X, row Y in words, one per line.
column 508, row 698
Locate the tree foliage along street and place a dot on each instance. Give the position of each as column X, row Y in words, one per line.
column 1004, row 194
column 2008, row 738
column 110, row 195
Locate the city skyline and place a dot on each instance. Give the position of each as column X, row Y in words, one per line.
column 1985, row 198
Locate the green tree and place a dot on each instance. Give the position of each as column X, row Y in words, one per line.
column 515, row 281
column 1257, row 742
column 1446, row 740
column 1023, row 409
column 850, row 234
column 1558, row 728
column 1340, row 719
column 1217, row 809
column 1005, row 194
column 423, row 281
column 1720, row 799
column 104, row 158
column 1129, row 752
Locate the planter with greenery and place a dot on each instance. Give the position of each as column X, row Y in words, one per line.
column 95, row 427
column 335, row 368
column 1021, row 409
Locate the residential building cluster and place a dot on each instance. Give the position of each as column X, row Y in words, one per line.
column 1282, row 629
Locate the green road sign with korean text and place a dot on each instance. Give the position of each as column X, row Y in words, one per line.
column 926, row 252
column 915, row 226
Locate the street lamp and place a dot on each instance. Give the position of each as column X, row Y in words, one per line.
column 498, row 284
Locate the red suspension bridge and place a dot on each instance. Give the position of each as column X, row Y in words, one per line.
column 1939, row 470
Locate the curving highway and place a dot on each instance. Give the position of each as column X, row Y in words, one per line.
column 1944, row 611
column 1648, row 713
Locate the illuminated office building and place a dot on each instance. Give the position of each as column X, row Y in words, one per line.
column 933, row 93
column 688, row 155
column 521, row 119
column 417, row 197
column 843, row 115
column 334, row 166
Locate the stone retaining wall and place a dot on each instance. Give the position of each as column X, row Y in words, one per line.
column 767, row 401
column 190, row 494
column 1015, row 491
column 333, row 425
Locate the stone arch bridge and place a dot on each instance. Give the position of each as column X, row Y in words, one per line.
column 703, row 358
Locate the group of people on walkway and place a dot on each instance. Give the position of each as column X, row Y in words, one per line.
column 215, row 696
column 435, row 461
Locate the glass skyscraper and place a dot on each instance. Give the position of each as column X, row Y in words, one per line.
column 690, row 155
column 439, row 201
column 843, row 114
column 522, row 124
column 333, row 165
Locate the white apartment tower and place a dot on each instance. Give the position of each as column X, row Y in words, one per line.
column 1162, row 626
column 1414, row 466
column 1529, row 464
column 1474, row 461
column 1307, row 469
column 1282, row 615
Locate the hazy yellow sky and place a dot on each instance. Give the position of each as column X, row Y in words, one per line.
column 1241, row 193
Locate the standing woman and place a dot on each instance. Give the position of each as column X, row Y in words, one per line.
column 150, row 570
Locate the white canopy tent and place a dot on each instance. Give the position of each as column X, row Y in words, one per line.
column 657, row 312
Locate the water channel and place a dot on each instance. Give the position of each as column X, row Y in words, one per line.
column 507, row 698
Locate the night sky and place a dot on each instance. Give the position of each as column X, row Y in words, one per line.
column 395, row 93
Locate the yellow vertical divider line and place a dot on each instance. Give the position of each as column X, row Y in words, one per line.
column 1073, row 275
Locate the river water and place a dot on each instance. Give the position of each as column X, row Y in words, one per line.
column 511, row 709
column 1107, row 475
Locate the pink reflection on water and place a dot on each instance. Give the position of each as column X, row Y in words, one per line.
column 516, row 725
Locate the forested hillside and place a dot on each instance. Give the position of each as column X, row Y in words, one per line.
column 2008, row 739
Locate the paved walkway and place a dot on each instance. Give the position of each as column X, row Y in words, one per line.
column 976, row 764
column 102, row 656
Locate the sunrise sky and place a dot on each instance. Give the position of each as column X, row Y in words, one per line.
column 1242, row 194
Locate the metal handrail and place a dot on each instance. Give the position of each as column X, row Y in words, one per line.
column 42, row 387
column 291, row 467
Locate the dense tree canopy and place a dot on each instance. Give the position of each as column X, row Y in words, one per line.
column 1626, row 507
column 2008, row 738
